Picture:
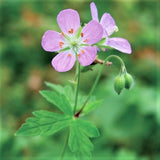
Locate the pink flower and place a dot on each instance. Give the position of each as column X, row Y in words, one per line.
column 109, row 27
column 73, row 41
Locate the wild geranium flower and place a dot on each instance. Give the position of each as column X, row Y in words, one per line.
column 109, row 27
column 73, row 41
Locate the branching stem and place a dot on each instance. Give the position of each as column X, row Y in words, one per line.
column 97, row 79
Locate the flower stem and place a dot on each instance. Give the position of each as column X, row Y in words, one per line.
column 97, row 79
column 77, row 86
column 64, row 147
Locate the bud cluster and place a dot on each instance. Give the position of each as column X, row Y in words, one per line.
column 123, row 80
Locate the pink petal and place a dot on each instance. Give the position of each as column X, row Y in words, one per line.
column 108, row 23
column 64, row 61
column 94, row 12
column 120, row 44
column 50, row 41
column 87, row 55
column 68, row 20
column 92, row 32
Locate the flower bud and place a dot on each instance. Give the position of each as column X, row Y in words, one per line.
column 119, row 83
column 128, row 80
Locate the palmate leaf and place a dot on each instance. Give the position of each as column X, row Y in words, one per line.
column 67, row 91
column 58, row 100
column 44, row 123
column 79, row 141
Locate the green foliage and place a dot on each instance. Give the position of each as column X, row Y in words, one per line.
column 57, row 88
column 58, row 100
column 66, row 90
column 44, row 123
column 91, row 106
column 79, row 142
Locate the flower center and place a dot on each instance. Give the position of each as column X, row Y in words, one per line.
column 74, row 44
column 73, row 40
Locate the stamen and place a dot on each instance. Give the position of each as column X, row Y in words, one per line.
column 82, row 51
column 78, row 55
column 85, row 40
column 60, row 44
column 71, row 31
column 82, row 35
column 63, row 34
column 69, row 55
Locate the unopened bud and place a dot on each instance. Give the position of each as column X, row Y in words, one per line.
column 119, row 84
column 128, row 80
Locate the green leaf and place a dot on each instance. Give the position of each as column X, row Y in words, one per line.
column 44, row 123
column 58, row 88
column 91, row 106
column 79, row 142
column 66, row 90
column 88, row 128
column 58, row 100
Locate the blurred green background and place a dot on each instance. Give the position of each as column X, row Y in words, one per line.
column 129, row 124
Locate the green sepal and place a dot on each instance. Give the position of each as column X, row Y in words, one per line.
column 64, row 49
column 79, row 32
column 101, row 42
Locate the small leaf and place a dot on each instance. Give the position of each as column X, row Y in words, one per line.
column 79, row 142
column 91, row 106
column 44, row 123
column 58, row 100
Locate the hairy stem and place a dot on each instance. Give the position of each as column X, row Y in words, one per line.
column 97, row 79
column 77, row 86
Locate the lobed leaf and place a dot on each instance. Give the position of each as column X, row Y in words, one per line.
column 58, row 100
column 79, row 142
column 44, row 123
